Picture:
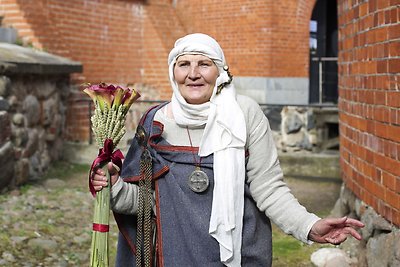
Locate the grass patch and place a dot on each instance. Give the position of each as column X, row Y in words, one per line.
column 290, row 252
column 76, row 175
column 65, row 170
column 25, row 188
column 37, row 252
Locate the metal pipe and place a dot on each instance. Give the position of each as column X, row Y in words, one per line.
column 320, row 81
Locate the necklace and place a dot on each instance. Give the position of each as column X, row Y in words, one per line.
column 198, row 180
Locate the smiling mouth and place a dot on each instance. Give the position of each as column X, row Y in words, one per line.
column 195, row 85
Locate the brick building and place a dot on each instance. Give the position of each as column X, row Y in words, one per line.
column 369, row 121
column 369, row 102
column 267, row 45
column 128, row 41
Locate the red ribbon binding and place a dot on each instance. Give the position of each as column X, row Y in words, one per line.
column 106, row 154
column 101, row 227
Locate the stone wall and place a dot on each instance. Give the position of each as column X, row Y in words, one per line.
column 32, row 116
column 299, row 128
column 380, row 245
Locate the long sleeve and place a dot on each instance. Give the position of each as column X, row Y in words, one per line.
column 124, row 197
column 265, row 177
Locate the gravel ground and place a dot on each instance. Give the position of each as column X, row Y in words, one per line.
column 48, row 223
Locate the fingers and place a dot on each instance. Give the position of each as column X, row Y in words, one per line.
column 354, row 223
column 336, row 221
column 113, row 169
column 345, row 222
column 352, row 232
column 337, row 240
column 98, row 179
column 114, row 172
column 340, row 235
column 335, row 230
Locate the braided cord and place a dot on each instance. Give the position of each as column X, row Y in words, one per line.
column 144, row 224
column 139, row 233
column 147, row 212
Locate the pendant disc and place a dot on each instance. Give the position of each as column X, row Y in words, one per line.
column 198, row 181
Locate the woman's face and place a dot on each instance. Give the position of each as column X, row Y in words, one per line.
column 196, row 76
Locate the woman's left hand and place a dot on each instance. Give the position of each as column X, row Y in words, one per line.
column 334, row 230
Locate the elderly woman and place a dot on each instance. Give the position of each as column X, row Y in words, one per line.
column 215, row 176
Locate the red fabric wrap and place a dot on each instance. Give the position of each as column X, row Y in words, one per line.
column 104, row 228
column 106, row 154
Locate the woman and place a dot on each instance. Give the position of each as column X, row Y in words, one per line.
column 215, row 174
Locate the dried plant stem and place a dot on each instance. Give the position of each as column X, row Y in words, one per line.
column 99, row 251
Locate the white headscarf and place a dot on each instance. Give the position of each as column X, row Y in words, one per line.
column 224, row 136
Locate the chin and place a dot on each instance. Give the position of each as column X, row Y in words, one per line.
column 196, row 101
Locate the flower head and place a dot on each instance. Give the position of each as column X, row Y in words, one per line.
column 110, row 95
column 118, row 96
column 129, row 97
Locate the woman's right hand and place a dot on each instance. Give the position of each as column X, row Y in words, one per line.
column 99, row 179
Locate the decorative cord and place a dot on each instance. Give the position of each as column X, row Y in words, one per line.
column 144, row 224
column 197, row 163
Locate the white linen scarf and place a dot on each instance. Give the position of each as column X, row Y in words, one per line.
column 225, row 137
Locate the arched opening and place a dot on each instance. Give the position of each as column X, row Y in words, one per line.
column 324, row 52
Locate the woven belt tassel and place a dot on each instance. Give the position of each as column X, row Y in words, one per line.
column 144, row 223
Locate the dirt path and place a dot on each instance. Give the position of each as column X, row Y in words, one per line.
column 317, row 195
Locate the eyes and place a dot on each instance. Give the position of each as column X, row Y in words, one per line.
column 201, row 63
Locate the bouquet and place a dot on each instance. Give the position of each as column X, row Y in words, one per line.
column 111, row 105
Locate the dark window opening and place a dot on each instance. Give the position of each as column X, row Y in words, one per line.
column 324, row 52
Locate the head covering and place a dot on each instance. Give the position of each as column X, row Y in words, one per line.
column 197, row 43
column 224, row 136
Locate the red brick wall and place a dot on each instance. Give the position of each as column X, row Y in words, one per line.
column 161, row 28
column 77, row 122
column 127, row 42
column 369, row 102
column 105, row 36
column 259, row 38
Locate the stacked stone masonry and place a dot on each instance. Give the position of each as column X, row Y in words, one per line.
column 32, row 119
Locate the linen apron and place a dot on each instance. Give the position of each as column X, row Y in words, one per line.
column 182, row 216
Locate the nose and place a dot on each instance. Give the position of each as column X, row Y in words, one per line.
column 194, row 73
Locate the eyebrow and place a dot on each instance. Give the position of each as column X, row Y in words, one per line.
column 200, row 60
